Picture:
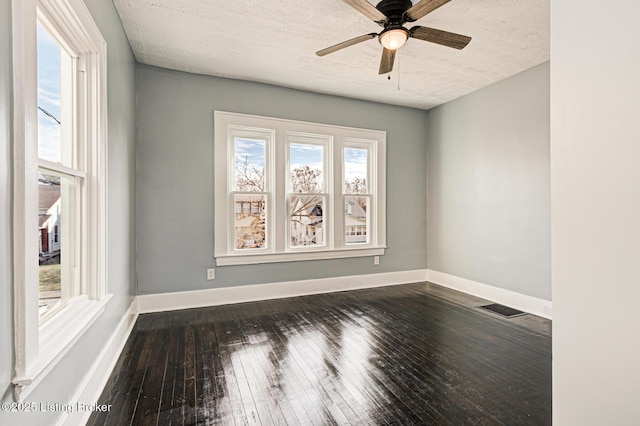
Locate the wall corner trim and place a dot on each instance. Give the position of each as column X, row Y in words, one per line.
column 94, row 381
column 252, row 293
column 532, row 305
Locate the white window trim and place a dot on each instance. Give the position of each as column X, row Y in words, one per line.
column 224, row 250
column 38, row 347
column 269, row 138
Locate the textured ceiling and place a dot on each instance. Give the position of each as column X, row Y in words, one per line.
column 274, row 41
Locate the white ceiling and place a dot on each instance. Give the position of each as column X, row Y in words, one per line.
column 274, row 41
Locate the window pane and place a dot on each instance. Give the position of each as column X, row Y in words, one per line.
column 356, row 226
column 306, row 220
column 249, row 221
column 305, row 167
column 58, row 239
column 49, row 97
column 355, row 170
column 250, row 159
column 49, row 215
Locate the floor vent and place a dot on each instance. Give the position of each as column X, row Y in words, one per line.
column 501, row 310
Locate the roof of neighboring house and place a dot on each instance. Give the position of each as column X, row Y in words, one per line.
column 356, row 210
column 43, row 219
column 354, row 221
column 47, row 196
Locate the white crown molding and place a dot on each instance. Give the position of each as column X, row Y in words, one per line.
column 251, row 293
column 532, row 305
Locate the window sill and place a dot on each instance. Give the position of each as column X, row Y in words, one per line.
column 255, row 258
column 57, row 337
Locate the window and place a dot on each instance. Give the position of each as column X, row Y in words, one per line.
column 60, row 236
column 289, row 190
column 308, row 190
column 251, row 188
column 60, row 178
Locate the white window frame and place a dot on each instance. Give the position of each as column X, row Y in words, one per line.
column 226, row 124
column 372, row 168
column 269, row 139
column 326, row 142
column 40, row 346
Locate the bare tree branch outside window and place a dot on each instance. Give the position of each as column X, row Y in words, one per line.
column 249, row 177
column 306, row 211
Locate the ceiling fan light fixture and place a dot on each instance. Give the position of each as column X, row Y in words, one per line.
column 394, row 38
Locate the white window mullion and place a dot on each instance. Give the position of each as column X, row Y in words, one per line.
column 280, row 162
column 330, row 213
column 87, row 156
column 379, row 219
column 338, row 184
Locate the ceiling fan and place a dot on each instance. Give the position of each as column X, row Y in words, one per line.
column 391, row 15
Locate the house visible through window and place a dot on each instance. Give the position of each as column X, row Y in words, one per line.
column 308, row 189
column 60, row 203
column 60, row 180
column 296, row 191
column 356, row 194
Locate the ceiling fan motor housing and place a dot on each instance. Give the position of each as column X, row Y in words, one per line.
column 394, row 9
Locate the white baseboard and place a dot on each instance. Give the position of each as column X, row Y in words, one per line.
column 532, row 305
column 94, row 381
column 93, row 384
column 251, row 293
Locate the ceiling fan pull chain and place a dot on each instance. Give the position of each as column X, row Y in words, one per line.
column 398, row 73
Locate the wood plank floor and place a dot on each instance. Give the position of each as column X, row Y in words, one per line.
column 399, row 355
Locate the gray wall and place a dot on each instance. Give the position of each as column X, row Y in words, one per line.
column 488, row 185
column 595, row 152
column 175, row 178
column 63, row 381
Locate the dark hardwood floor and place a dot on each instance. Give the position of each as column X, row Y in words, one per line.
column 399, row 355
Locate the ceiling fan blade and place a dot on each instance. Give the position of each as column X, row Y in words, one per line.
column 444, row 38
column 422, row 8
column 367, row 9
column 344, row 44
column 386, row 64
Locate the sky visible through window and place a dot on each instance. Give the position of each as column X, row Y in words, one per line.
column 251, row 151
column 301, row 155
column 355, row 160
column 48, row 96
column 304, row 154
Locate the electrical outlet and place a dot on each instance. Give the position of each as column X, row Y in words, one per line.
column 211, row 274
column 376, row 260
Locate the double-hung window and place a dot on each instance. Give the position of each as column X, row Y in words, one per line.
column 292, row 191
column 60, row 238
column 61, row 178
